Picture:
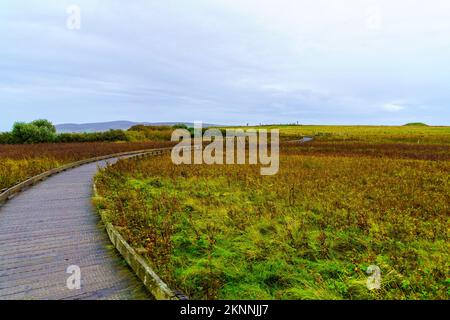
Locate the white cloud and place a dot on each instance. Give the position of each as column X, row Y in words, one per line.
column 393, row 107
column 310, row 59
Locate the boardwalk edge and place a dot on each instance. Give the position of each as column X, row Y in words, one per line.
column 158, row 288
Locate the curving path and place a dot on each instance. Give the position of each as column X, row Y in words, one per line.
column 51, row 226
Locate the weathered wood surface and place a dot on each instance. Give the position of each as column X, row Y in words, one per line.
column 52, row 225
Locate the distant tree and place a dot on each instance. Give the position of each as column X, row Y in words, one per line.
column 34, row 132
column 42, row 130
column 153, row 133
column 180, row 126
column 42, row 123
column 6, row 138
column 113, row 135
column 135, row 136
column 138, row 127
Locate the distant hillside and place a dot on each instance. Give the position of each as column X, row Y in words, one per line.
column 105, row 126
column 416, row 124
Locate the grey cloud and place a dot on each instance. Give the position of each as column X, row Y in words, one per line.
column 211, row 61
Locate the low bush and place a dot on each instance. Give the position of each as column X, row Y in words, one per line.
column 153, row 133
column 37, row 131
column 111, row 136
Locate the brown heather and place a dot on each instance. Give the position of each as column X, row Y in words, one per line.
column 19, row 162
column 309, row 232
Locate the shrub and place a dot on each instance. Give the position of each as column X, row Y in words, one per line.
column 6, row 138
column 42, row 123
column 154, row 133
column 135, row 136
column 111, row 136
column 34, row 132
column 180, row 126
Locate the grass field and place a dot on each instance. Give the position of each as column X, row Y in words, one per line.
column 19, row 162
column 356, row 196
column 372, row 134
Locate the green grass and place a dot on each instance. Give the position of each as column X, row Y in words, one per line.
column 310, row 232
column 373, row 134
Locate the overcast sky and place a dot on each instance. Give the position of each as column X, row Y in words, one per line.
column 226, row 61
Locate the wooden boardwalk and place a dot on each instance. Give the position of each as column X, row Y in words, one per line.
column 52, row 226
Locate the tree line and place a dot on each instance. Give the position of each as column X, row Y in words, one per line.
column 43, row 131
